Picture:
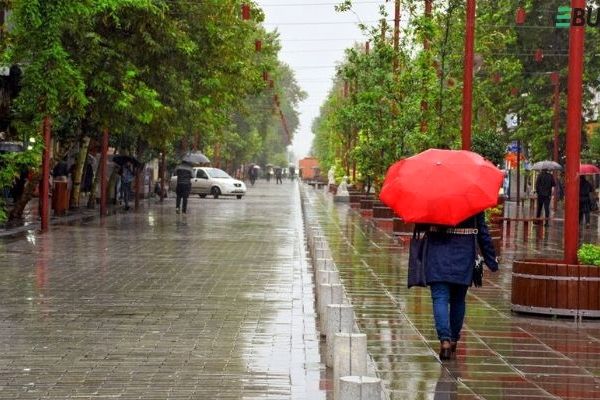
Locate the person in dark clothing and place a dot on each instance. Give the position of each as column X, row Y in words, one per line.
column 543, row 187
column 184, row 187
column 60, row 170
column 88, row 178
column 278, row 175
column 449, row 263
column 585, row 200
column 253, row 174
column 126, row 180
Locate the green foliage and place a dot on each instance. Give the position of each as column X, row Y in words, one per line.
column 589, row 254
column 159, row 74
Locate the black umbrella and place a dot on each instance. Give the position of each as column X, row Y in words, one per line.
column 196, row 158
column 122, row 160
column 11, row 147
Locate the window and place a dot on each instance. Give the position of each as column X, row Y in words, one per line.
column 201, row 174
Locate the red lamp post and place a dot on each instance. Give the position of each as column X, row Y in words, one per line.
column 467, row 109
column 104, row 173
column 574, row 110
column 45, row 181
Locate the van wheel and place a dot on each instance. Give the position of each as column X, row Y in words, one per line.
column 239, row 196
column 202, row 196
column 215, row 191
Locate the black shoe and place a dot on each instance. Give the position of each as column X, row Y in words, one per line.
column 445, row 350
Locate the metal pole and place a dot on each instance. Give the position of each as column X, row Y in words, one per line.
column 574, row 115
column 45, row 181
column 518, row 175
column 163, row 165
column 426, row 47
column 467, row 111
column 103, row 173
column 555, row 77
column 396, row 33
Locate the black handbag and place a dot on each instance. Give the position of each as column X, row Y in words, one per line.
column 478, row 272
column 477, row 280
column 417, row 256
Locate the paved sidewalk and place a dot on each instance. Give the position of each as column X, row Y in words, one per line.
column 503, row 355
column 215, row 304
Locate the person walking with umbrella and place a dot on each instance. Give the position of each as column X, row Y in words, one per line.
column 543, row 187
column 183, row 188
column 444, row 192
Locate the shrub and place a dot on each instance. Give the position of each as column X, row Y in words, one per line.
column 589, row 254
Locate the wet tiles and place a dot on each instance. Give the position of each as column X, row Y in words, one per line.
column 502, row 355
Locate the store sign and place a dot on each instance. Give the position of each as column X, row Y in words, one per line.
column 567, row 17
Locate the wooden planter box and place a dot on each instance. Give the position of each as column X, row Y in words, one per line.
column 553, row 288
column 366, row 207
column 402, row 228
column 383, row 212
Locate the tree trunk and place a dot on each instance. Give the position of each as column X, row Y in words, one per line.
column 91, row 203
column 15, row 215
column 78, row 171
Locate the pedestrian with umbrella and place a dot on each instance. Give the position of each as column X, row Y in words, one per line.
column 183, row 188
column 543, row 187
column 445, row 192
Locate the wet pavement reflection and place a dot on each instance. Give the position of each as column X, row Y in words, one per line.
column 215, row 304
column 502, row 355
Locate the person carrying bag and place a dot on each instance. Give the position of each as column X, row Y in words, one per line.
column 447, row 257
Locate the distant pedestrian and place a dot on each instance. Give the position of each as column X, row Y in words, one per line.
column 269, row 174
column 126, row 179
column 543, row 187
column 585, row 200
column 184, row 187
column 449, row 265
column 278, row 175
column 253, row 174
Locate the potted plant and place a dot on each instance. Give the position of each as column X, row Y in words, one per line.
column 589, row 254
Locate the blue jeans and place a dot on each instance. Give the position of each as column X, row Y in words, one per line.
column 448, row 309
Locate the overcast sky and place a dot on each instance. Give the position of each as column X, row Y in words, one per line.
column 313, row 38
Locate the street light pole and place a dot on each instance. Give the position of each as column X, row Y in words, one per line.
column 396, row 33
column 45, row 181
column 574, row 113
column 467, row 110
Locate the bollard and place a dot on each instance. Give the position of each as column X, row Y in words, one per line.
column 340, row 319
column 324, row 263
column 326, row 276
column 349, row 358
column 322, row 252
column 360, row 388
column 328, row 294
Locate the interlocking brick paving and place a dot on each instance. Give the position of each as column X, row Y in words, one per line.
column 215, row 304
column 502, row 355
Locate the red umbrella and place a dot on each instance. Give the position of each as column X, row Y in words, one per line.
column 441, row 186
column 588, row 169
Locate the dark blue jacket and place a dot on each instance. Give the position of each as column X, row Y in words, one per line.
column 450, row 257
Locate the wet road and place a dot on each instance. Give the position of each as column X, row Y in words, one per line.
column 502, row 355
column 215, row 304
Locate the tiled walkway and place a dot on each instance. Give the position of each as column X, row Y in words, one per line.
column 215, row 304
column 502, row 356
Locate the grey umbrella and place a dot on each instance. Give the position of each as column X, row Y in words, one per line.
column 546, row 164
column 196, row 158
